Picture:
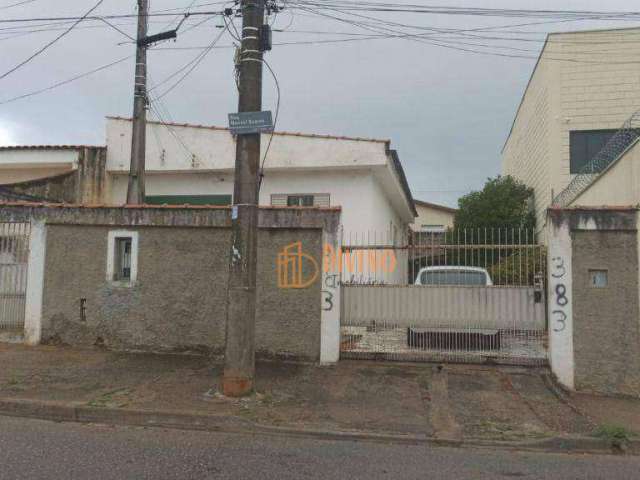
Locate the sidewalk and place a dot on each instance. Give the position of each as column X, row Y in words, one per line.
column 411, row 402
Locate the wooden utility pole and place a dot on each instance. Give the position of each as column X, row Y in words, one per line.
column 239, row 359
column 135, row 188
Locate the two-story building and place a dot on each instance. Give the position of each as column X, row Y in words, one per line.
column 584, row 87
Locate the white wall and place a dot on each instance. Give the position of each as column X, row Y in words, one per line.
column 187, row 183
column 617, row 186
column 21, row 165
column 215, row 149
column 432, row 216
column 357, row 173
column 364, row 207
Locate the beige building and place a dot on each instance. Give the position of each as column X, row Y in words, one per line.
column 432, row 217
column 584, row 87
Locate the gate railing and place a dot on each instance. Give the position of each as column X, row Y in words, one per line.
column 512, row 257
column 14, row 253
column 457, row 295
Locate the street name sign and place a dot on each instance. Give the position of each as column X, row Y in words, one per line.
column 250, row 122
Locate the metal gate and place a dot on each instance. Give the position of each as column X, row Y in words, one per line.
column 471, row 295
column 14, row 254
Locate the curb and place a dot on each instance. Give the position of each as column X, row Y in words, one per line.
column 81, row 413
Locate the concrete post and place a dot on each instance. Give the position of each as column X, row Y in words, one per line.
column 330, row 316
column 560, row 296
column 35, row 283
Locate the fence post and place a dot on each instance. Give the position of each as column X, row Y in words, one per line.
column 560, row 299
column 35, row 283
column 330, row 300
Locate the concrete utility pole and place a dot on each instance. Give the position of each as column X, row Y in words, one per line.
column 135, row 189
column 239, row 359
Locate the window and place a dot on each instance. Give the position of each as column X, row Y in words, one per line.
column 584, row 145
column 122, row 258
column 598, row 278
column 300, row 201
column 122, row 266
column 432, row 228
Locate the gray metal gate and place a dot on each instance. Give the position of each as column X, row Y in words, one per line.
column 14, row 254
column 460, row 296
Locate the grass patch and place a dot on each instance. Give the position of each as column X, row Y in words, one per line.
column 614, row 434
column 13, row 381
column 114, row 399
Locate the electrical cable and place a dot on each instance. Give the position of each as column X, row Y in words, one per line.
column 65, row 82
column 17, row 4
column 275, row 123
column 195, row 62
column 49, row 44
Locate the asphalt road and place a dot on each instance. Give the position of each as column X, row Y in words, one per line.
column 33, row 449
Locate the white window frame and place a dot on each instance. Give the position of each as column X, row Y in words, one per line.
column 111, row 255
column 433, row 228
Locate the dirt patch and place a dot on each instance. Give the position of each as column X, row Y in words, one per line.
column 487, row 406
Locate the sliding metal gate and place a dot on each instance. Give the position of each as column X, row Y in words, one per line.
column 14, row 253
column 482, row 297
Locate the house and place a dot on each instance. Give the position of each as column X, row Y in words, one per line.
column 433, row 218
column 194, row 164
column 584, row 87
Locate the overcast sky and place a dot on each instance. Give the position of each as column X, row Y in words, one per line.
column 447, row 112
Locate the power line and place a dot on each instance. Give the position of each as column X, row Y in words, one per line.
column 427, row 38
column 275, row 123
column 124, row 15
column 471, row 11
column 191, row 66
column 406, row 36
column 47, row 45
column 17, row 4
column 65, row 82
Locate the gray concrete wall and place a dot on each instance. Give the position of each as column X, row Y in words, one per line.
column 606, row 330
column 178, row 302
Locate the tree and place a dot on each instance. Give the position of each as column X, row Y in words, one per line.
column 502, row 203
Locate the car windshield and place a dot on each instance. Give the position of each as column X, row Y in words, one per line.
column 453, row 277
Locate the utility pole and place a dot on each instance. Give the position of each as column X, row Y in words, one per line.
column 239, row 359
column 135, row 188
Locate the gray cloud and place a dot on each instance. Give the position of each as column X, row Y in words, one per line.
column 446, row 112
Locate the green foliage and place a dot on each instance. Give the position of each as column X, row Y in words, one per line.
column 519, row 268
column 613, row 433
column 502, row 203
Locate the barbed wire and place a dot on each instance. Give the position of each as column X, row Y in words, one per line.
column 613, row 150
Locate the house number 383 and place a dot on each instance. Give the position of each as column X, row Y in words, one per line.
column 559, row 315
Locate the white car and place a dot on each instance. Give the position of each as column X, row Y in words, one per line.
column 454, row 275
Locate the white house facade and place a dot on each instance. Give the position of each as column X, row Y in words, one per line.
column 433, row 218
column 195, row 164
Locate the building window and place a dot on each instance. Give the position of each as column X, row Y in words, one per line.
column 122, row 258
column 599, row 278
column 300, row 200
column 432, row 228
column 584, row 145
